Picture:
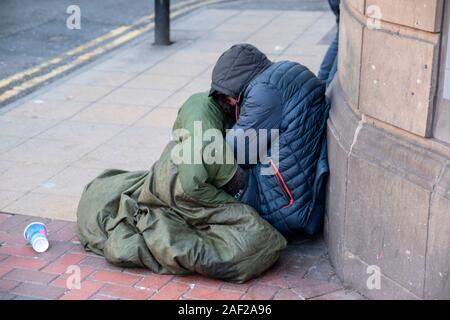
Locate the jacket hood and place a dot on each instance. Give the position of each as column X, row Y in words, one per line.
column 236, row 68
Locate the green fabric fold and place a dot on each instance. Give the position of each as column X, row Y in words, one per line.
column 174, row 218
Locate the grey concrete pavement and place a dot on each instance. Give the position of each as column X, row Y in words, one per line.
column 118, row 112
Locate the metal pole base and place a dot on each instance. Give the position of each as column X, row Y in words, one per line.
column 162, row 22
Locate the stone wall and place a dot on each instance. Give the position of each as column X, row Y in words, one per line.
column 388, row 201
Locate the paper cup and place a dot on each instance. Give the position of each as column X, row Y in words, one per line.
column 36, row 234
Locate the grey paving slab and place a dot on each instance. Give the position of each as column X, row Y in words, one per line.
column 8, row 142
column 8, row 196
column 83, row 133
column 112, row 113
column 45, row 204
column 24, row 176
column 48, row 109
column 134, row 96
column 23, row 126
column 46, row 151
column 69, row 181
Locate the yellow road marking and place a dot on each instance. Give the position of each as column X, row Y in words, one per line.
column 181, row 9
column 85, row 57
column 58, row 59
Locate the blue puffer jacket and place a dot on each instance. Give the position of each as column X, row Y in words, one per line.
column 288, row 97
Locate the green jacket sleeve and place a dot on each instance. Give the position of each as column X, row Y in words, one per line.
column 205, row 161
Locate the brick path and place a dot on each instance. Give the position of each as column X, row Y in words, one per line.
column 303, row 272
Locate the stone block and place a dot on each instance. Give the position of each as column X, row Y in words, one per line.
column 342, row 126
column 397, row 80
column 349, row 61
column 358, row 5
column 386, row 222
column 424, row 15
column 437, row 282
column 414, row 163
column 356, row 273
column 335, row 201
column 443, row 186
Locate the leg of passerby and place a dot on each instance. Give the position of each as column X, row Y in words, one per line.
column 329, row 64
column 328, row 67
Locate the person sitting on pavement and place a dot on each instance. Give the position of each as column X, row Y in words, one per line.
column 286, row 181
column 179, row 217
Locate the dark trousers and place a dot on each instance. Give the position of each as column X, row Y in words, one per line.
column 328, row 67
column 250, row 196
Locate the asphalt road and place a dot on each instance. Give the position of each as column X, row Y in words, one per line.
column 32, row 31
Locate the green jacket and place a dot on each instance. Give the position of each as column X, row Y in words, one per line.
column 175, row 219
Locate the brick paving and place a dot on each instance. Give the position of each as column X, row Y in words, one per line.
column 57, row 139
column 302, row 272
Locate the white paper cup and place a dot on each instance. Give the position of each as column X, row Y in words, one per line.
column 36, row 234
